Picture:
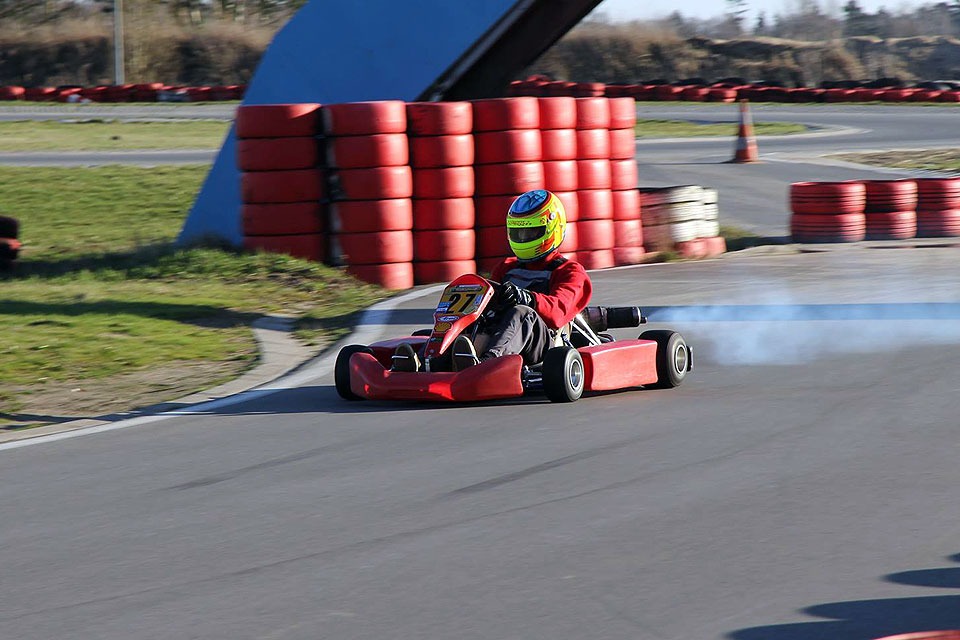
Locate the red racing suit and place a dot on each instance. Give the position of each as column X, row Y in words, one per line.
column 561, row 288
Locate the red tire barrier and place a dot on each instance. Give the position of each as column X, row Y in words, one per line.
column 891, row 225
column 845, row 227
column 714, row 246
column 377, row 247
column 623, row 113
column 560, row 175
column 890, row 195
column 439, row 118
column 695, row 94
column 559, row 144
column 40, row 94
column 722, row 95
column 12, row 93
column 625, row 204
column 623, row 256
column 491, row 211
column 445, row 182
column 441, row 151
column 442, row 271
column 628, row 233
column 623, row 144
column 492, row 241
column 364, row 118
column 509, row 178
column 595, row 204
column 368, row 216
column 361, row 152
column 281, row 219
column 278, row 120
column 571, row 204
column 487, row 265
column 691, row 249
column 593, row 113
column 374, row 183
column 558, row 113
column 593, row 174
column 667, row 92
column 595, row 235
column 602, row 259
column 590, row 89
column 515, row 145
column 623, row 175
column 306, row 246
column 389, row 276
column 501, row 114
column 450, row 213
column 271, row 154
column 443, row 244
column 938, row 224
column 570, row 240
column 935, row 194
column 593, row 144
column 827, row 197
column 300, row 185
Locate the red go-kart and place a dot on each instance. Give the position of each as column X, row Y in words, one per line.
column 583, row 357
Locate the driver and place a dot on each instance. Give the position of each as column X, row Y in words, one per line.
column 541, row 290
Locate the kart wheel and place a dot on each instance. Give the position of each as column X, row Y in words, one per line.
column 674, row 358
column 563, row 375
column 341, row 371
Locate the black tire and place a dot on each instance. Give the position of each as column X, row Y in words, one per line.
column 563, row 374
column 341, row 371
column 674, row 358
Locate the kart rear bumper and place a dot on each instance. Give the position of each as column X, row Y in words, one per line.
column 490, row 380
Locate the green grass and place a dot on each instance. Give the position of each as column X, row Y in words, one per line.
column 111, row 135
column 930, row 159
column 688, row 129
column 101, row 294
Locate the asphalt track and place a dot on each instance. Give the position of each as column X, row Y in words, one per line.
column 800, row 485
column 802, row 478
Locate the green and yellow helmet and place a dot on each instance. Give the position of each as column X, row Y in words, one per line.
column 536, row 223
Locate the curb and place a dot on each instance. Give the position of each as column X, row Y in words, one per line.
column 374, row 319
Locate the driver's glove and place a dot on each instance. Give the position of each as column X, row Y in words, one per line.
column 512, row 295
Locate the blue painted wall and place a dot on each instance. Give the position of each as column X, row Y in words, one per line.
column 344, row 51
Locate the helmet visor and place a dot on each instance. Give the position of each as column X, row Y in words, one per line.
column 522, row 235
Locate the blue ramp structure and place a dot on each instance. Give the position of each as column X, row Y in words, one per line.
column 353, row 50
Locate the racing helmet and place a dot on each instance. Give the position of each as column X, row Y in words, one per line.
column 536, row 223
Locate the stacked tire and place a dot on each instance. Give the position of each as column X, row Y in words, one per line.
column 828, row 211
column 625, row 199
column 442, row 156
column 281, row 185
column 938, row 207
column 370, row 189
column 673, row 218
column 891, row 209
column 9, row 243
column 558, row 133
column 594, row 227
column 507, row 163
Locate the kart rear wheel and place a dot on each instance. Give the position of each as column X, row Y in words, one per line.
column 674, row 358
column 563, row 374
column 341, row 371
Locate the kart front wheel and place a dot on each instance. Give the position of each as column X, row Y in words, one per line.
column 674, row 358
column 563, row 376
column 341, row 371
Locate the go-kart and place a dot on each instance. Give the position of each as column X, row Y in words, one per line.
column 583, row 358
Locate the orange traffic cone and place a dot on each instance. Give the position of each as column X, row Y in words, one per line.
column 746, row 150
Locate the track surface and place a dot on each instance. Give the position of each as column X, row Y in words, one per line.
column 804, row 464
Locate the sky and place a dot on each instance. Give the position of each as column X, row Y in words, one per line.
column 622, row 10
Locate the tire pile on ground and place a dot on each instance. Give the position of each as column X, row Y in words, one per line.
column 282, row 187
column 624, row 180
column 594, row 226
column 938, row 207
column 828, row 211
column 442, row 157
column 508, row 162
column 558, row 133
column 874, row 210
column 144, row 92
column 370, row 189
column 681, row 219
column 9, row 243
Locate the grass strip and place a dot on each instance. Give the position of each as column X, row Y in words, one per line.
column 112, row 135
column 692, row 129
column 929, row 159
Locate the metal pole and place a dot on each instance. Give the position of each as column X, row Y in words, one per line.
column 118, row 42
